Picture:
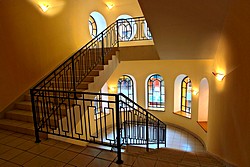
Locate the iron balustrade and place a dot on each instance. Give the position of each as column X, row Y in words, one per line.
column 118, row 121
column 76, row 68
column 111, row 119
column 138, row 125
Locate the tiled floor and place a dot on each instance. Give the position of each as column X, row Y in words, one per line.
column 20, row 150
column 180, row 140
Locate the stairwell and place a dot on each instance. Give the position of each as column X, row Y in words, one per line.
column 20, row 118
column 62, row 104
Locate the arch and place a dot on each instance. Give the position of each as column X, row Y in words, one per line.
column 155, row 92
column 177, row 92
column 97, row 23
column 203, row 100
column 182, row 95
column 126, row 27
column 186, row 95
column 126, row 85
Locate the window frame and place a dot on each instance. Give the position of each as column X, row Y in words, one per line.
column 184, row 103
column 93, row 25
column 120, row 80
column 150, row 83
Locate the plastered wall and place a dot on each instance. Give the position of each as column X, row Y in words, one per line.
column 229, row 115
column 33, row 42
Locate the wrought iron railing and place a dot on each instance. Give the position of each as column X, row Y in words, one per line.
column 73, row 71
column 112, row 120
column 118, row 121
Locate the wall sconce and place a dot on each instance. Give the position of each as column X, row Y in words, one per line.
column 218, row 76
column 112, row 89
column 195, row 92
column 110, row 5
column 44, row 7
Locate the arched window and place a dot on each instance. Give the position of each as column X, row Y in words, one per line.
column 186, row 95
column 155, row 92
column 92, row 27
column 126, row 27
column 97, row 23
column 125, row 85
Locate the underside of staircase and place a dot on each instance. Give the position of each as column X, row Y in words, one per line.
column 20, row 118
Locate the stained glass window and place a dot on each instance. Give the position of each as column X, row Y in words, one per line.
column 186, row 95
column 156, row 92
column 125, row 85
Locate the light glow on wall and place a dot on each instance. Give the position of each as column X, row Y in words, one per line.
column 49, row 7
column 112, row 89
column 110, row 5
column 44, row 7
column 219, row 76
column 195, row 92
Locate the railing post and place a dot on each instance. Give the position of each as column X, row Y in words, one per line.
column 117, row 33
column 34, row 117
column 147, row 137
column 74, row 76
column 158, row 135
column 102, row 49
column 165, row 135
column 119, row 155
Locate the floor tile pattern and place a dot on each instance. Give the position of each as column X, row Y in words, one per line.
column 20, row 150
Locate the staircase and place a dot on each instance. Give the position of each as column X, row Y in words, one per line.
column 20, row 118
column 62, row 107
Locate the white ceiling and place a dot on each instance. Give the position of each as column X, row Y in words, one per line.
column 185, row 29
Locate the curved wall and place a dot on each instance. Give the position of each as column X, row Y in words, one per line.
column 229, row 112
column 169, row 70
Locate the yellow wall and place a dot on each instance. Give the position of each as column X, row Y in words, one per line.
column 169, row 70
column 33, row 43
column 229, row 115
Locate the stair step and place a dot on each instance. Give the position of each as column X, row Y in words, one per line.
column 83, row 86
column 27, row 97
column 17, row 126
column 20, row 115
column 94, row 73
column 89, row 79
column 99, row 67
column 24, row 105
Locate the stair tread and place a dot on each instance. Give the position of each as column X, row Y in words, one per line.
column 24, row 102
column 20, row 112
column 11, row 122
